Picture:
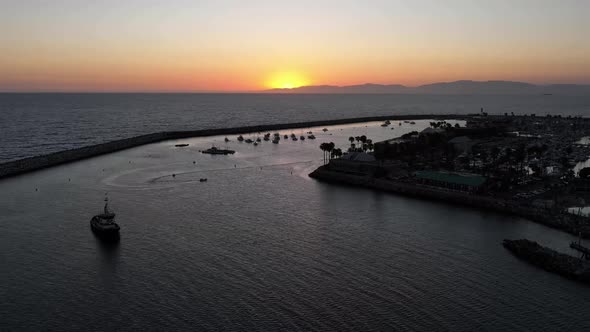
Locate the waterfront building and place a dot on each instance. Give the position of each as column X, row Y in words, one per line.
column 455, row 181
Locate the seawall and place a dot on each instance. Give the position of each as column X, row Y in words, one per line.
column 563, row 221
column 26, row 165
column 550, row 260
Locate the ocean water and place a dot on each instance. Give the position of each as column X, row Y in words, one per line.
column 262, row 247
column 35, row 124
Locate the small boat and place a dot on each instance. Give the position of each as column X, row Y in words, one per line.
column 240, row 138
column 104, row 225
column 406, row 121
column 214, row 150
column 387, row 122
column 294, row 138
column 181, row 145
column 412, row 122
column 309, row 132
column 226, row 140
column 311, row 136
column 249, row 141
column 384, row 125
column 302, row 138
column 203, row 180
column 325, row 129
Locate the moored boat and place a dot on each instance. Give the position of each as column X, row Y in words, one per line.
column 214, row 150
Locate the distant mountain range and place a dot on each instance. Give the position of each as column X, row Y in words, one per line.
column 457, row 87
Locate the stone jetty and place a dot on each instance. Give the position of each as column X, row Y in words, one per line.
column 550, row 260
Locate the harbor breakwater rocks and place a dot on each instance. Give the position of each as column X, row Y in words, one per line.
column 576, row 225
column 26, row 165
column 550, row 260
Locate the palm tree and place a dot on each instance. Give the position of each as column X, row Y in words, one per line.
column 324, row 148
column 329, row 148
column 364, row 139
column 336, row 153
column 351, row 139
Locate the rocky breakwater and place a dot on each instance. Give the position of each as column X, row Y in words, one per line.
column 30, row 164
column 549, row 259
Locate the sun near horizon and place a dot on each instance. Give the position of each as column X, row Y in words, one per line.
column 286, row 80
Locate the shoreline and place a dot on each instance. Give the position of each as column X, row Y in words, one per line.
column 31, row 164
column 569, row 223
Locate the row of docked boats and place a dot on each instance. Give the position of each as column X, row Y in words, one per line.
column 386, row 123
column 276, row 137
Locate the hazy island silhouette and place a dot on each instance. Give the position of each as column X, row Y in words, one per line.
column 456, row 87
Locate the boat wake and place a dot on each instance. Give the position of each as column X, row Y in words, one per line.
column 176, row 177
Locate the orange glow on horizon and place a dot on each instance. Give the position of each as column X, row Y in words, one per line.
column 286, row 80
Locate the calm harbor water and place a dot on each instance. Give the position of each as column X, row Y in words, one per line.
column 34, row 124
column 262, row 247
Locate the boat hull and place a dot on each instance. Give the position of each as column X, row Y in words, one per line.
column 110, row 234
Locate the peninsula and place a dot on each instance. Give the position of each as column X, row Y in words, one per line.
column 520, row 165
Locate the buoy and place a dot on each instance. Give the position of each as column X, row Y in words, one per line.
column 173, row 175
column 194, row 162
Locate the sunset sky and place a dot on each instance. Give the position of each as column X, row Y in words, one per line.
column 182, row 45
